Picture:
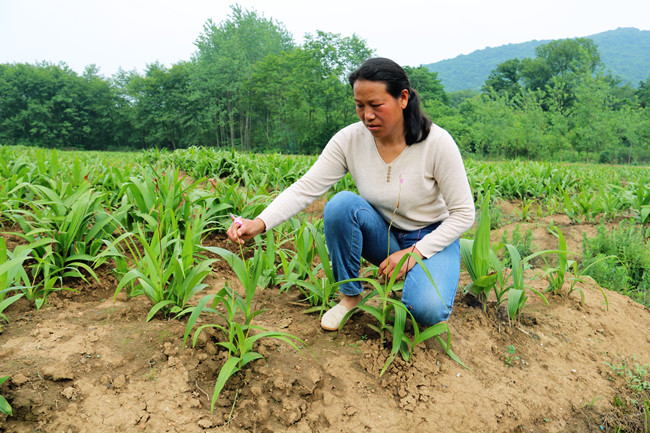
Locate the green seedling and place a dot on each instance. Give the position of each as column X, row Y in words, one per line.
column 510, row 357
column 66, row 228
column 479, row 258
column 556, row 276
column 165, row 267
column 12, row 274
column 5, row 407
column 579, row 276
column 517, row 293
column 391, row 315
column 239, row 339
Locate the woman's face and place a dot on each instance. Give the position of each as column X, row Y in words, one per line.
column 379, row 110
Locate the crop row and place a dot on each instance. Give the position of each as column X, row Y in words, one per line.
column 146, row 216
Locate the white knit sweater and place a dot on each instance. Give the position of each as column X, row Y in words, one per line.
column 428, row 178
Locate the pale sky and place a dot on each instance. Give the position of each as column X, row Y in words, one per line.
column 133, row 33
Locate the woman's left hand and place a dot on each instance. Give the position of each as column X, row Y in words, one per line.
column 387, row 267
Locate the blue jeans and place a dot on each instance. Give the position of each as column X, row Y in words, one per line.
column 354, row 229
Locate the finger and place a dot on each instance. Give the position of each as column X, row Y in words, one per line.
column 382, row 267
column 234, row 234
column 230, row 233
column 241, row 234
column 388, row 271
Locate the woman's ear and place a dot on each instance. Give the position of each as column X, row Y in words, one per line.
column 404, row 98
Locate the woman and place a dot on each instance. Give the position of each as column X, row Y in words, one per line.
column 410, row 177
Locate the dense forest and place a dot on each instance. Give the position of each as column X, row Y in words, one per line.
column 625, row 53
column 249, row 86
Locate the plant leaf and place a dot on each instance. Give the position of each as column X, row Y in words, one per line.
column 226, row 371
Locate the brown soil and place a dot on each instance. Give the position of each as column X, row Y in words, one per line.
column 89, row 363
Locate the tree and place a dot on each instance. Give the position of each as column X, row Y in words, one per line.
column 100, row 102
column 301, row 96
column 643, row 94
column 334, row 58
column 505, row 79
column 566, row 56
column 162, row 106
column 224, row 61
column 50, row 105
column 427, row 84
column 593, row 129
column 558, row 65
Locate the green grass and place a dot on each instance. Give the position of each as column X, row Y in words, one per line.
column 628, row 271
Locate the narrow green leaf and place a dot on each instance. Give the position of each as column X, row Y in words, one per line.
column 195, row 315
column 158, row 307
column 226, row 371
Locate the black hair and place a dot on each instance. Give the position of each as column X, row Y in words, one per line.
column 416, row 124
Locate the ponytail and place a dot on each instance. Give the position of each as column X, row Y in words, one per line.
column 416, row 123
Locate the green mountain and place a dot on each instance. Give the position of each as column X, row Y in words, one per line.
column 625, row 53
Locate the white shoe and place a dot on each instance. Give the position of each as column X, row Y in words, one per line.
column 331, row 320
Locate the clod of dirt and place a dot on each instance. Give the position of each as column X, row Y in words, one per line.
column 19, row 379
column 70, row 393
column 57, row 372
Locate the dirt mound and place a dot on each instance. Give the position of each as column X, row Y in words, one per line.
column 88, row 363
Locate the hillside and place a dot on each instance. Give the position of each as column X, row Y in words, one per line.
column 624, row 51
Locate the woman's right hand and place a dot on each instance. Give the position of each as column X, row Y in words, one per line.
column 243, row 229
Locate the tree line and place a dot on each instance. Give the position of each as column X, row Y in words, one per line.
column 249, row 86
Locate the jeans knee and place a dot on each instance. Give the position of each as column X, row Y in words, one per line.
column 429, row 313
column 337, row 209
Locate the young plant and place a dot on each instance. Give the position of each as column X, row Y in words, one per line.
column 269, row 249
column 392, row 315
column 239, row 340
column 524, row 211
column 579, row 276
column 557, row 275
column 230, row 197
column 14, row 277
column 640, row 202
column 510, row 356
column 318, row 282
column 570, row 207
column 154, row 193
column 12, row 274
column 74, row 223
column 479, row 258
column 4, row 404
column 304, row 244
column 588, row 205
column 517, row 294
column 166, row 270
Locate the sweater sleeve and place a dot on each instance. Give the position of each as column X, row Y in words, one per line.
column 449, row 172
column 328, row 169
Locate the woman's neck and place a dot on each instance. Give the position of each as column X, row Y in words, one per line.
column 391, row 150
column 392, row 141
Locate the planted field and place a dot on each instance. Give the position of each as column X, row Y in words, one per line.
column 124, row 308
